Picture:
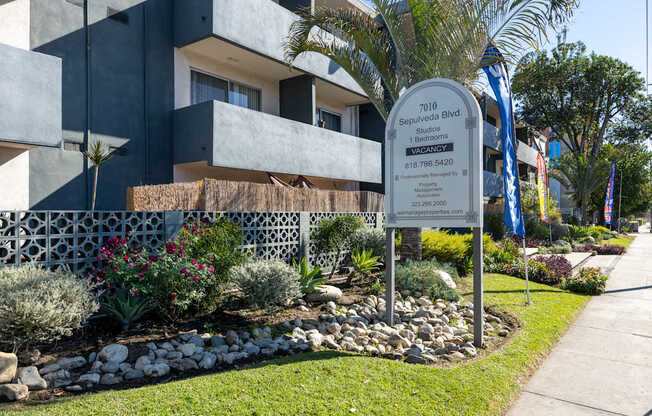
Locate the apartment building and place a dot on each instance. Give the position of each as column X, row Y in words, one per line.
column 181, row 90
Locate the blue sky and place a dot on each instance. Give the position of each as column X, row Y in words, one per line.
column 611, row 27
column 614, row 28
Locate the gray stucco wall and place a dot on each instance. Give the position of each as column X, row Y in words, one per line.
column 246, row 139
column 297, row 99
column 129, row 99
column 30, row 97
column 258, row 25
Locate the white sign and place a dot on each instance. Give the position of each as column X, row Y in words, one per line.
column 433, row 158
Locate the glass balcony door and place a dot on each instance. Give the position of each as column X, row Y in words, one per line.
column 205, row 87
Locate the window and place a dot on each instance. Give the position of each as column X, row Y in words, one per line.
column 204, row 87
column 329, row 120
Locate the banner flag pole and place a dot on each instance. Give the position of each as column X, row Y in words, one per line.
column 527, row 280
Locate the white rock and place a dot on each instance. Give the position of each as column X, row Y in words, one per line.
column 14, row 392
column 114, row 352
column 156, row 370
column 187, row 349
column 30, row 377
column 208, row 361
column 142, row 362
column 90, row 378
column 324, row 293
column 72, row 363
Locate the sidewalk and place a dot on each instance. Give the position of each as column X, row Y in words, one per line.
column 603, row 365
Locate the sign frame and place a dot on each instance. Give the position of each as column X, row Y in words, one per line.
column 472, row 217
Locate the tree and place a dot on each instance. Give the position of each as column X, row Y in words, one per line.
column 633, row 172
column 578, row 96
column 98, row 156
column 438, row 38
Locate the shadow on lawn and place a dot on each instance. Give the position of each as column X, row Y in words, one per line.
column 37, row 399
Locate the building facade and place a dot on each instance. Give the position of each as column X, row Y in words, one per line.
column 180, row 90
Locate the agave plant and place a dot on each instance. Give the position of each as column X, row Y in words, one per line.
column 413, row 40
column 124, row 307
column 309, row 279
column 364, row 263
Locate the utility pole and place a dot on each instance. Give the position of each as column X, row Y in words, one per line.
column 620, row 199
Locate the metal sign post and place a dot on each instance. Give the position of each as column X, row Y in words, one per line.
column 389, row 276
column 433, row 171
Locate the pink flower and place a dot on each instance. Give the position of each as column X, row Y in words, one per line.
column 194, row 261
column 201, row 267
column 126, row 258
column 173, row 296
column 197, row 278
column 141, row 274
column 211, row 257
column 123, row 241
column 211, row 269
column 137, row 293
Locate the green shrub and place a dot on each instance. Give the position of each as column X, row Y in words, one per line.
column 187, row 275
column 452, row 248
column 537, row 229
column 590, row 281
column 577, row 232
column 495, row 226
column 424, row 277
column 266, row 283
column 334, row 234
column 370, row 239
column 559, row 231
column 38, row 305
column 506, row 251
column 537, row 271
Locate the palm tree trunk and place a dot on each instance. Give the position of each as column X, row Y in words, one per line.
column 97, row 172
column 411, row 247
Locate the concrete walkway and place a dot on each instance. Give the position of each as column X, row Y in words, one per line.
column 603, row 365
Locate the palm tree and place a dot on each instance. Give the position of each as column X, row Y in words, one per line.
column 98, row 156
column 414, row 40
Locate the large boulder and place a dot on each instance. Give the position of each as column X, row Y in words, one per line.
column 8, row 367
column 447, row 278
column 324, row 293
column 30, row 377
column 14, row 392
column 114, row 352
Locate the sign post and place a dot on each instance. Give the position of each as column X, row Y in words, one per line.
column 433, row 171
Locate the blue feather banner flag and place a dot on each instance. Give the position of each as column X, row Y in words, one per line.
column 609, row 197
column 499, row 81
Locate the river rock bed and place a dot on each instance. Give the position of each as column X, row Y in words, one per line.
column 426, row 332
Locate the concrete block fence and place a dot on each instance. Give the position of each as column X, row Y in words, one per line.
column 73, row 238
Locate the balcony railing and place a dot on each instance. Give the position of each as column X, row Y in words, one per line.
column 225, row 135
column 30, row 97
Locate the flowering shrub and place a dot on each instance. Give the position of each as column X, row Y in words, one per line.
column 537, row 271
column 506, row 251
column 187, row 275
column 590, row 281
column 601, row 250
column 267, row 283
column 558, row 266
column 530, row 242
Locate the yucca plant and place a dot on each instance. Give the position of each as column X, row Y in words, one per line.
column 309, row 279
column 98, row 156
column 124, row 307
column 364, row 263
column 402, row 46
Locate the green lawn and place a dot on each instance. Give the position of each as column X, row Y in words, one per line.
column 330, row 383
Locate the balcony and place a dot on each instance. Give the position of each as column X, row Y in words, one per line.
column 213, row 22
column 524, row 153
column 30, row 98
column 225, row 135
